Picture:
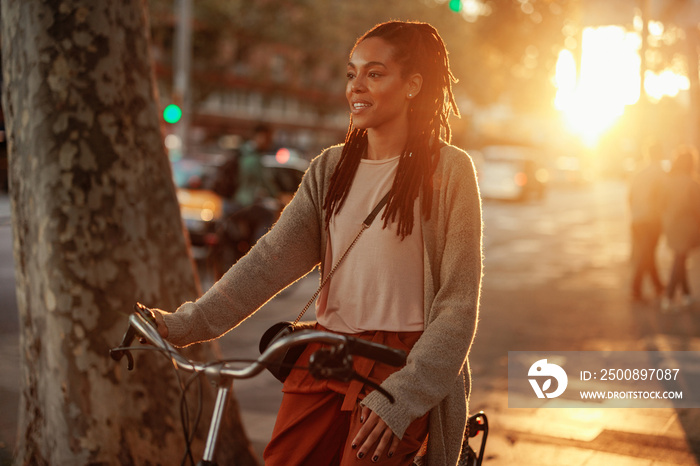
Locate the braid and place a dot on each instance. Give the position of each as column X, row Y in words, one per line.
column 355, row 146
column 418, row 49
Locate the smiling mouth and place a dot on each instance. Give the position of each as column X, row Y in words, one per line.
column 360, row 105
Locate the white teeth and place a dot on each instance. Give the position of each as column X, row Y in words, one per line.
column 360, row 105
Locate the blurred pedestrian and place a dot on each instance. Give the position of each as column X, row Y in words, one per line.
column 681, row 222
column 254, row 185
column 249, row 195
column 644, row 199
column 255, row 188
column 226, row 180
column 412, row 281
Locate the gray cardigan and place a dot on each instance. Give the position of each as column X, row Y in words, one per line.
column 436, row 377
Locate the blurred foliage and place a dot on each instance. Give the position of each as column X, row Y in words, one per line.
column 506, row 54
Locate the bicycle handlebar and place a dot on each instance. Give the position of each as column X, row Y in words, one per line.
column 142, row 322
column 333, row 362
column 375, row 351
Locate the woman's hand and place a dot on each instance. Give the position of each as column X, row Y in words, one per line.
column 160, row 323
column 373, row 432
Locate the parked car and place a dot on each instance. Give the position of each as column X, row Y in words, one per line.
column 509, row 172
column 200, row 207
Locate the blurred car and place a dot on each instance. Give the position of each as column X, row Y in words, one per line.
column 509, row 172
column 202, row 209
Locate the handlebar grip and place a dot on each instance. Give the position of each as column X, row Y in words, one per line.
column 367, row 349
column 146, row 313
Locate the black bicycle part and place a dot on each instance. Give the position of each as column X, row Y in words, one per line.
column 367, row 349
column 476, row 424
column 336, row 363
column 331, row 363
column 129, row 336
column 119, row 352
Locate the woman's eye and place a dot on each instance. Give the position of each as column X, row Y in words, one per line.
column 373, row 74
column 350, row 75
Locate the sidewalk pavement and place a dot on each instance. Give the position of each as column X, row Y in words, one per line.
column 589, row 436
column 598, row 436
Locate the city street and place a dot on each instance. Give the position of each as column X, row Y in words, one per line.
column 555, row 279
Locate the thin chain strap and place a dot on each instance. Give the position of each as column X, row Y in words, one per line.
column 332, row 271
column 365, row 224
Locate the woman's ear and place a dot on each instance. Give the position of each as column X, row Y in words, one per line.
column 415, row 82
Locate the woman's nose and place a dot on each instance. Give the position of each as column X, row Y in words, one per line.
column 358, row 85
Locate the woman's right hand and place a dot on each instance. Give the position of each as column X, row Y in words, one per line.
column 160, row 323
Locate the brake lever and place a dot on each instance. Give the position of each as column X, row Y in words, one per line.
column 130, row 335
column 117, row 353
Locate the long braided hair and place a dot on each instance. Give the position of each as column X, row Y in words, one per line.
column 418, row 48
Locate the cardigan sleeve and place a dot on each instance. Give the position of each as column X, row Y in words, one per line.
column 440, row 355
column 286, row 253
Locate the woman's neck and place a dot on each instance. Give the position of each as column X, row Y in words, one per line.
column 385, row 146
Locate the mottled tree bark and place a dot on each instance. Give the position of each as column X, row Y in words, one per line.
column 96, row 229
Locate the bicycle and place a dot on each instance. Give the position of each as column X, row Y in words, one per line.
column 334, row 361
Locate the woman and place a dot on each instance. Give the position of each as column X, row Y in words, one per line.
column 681, row 221
column 411, row 281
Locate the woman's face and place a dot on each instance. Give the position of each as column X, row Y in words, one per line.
column 377, row 93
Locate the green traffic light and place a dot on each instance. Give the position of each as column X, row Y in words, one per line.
column 456, row 5
column 172, row 113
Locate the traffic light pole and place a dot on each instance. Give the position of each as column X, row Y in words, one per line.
column 181, row 79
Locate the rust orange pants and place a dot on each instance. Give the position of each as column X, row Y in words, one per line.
column 318, row 419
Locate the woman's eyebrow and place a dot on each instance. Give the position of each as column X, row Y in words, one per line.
column 369, row 64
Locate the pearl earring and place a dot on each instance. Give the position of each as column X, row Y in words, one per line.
column 410, row 95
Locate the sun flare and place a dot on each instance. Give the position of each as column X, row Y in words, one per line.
column 592, row 100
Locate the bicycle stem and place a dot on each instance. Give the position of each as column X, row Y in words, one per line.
column 224, row 389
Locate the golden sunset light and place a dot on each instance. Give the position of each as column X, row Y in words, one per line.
column 609, row 80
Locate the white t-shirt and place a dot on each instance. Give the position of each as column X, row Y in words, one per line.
column 379, row 285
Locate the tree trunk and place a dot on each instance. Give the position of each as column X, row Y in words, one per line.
column 96, row 228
